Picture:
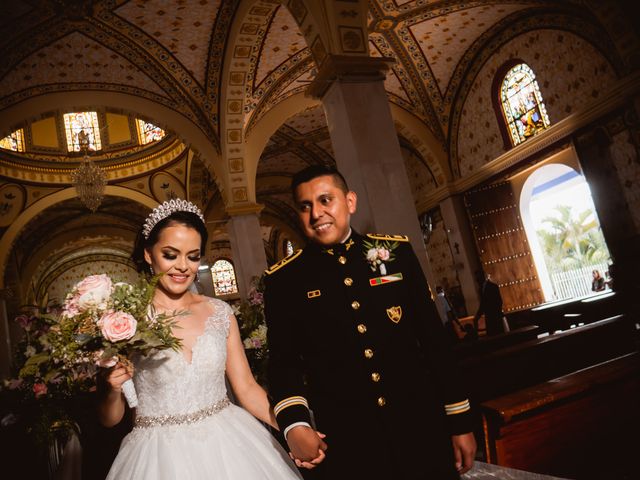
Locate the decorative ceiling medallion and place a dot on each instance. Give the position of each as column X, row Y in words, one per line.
column 12, row 201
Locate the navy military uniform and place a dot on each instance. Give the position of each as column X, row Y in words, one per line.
column 365, row 350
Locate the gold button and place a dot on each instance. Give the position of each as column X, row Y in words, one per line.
column 348, row 281
column 342, row 259
column 355, row 305
column 368, row 353
column 382, row 401
column 375, row 376
column 362, row 328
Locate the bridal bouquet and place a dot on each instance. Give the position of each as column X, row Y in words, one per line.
column 102, row 323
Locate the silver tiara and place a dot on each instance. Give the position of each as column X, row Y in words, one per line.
column 165, row 209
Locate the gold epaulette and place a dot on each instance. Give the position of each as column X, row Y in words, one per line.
column 283, row 262
column 393, row 238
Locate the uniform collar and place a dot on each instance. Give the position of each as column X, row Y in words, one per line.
column 339, row 248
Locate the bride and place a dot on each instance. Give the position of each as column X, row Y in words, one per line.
column 185, row 426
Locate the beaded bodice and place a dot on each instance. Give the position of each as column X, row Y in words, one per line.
column 168, row 384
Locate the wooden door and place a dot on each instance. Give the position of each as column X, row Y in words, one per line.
column 502, row 244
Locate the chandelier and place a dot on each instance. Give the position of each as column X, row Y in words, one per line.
column 89, row 179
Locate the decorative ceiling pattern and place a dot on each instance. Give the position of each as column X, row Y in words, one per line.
column 444, row 39
column 173, row 53
column 308, row 121
column 76, row 59
column 184, row 27
column 283, row 40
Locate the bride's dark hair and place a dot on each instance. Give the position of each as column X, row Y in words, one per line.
column 188, row 219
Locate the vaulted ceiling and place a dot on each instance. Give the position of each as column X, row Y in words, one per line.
column 178, row 55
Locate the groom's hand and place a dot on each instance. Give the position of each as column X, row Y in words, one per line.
column 306, row 446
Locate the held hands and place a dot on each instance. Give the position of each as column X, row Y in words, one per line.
column 306, row 446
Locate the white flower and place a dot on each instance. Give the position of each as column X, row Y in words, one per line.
column 383, row 254
column 30, row 351
column 372, row 254
column 93, row 292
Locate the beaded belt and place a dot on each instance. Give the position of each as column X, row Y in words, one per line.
column 181, row 419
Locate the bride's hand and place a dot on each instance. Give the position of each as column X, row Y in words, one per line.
column 312, row 462
column 118, row 376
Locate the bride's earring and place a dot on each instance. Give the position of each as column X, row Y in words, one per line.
column 151, row 270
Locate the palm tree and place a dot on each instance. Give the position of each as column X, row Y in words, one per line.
column 572, row 241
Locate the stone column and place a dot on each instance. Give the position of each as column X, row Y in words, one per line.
column 461, row 240
column 594, row 151
column 366, row 146
column 245, row 235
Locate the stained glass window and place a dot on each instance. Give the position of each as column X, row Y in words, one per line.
column 148, row 132
column 13, row 142
column 288, row 247
column 82, row 129
column 522, row 104
column 224, row 278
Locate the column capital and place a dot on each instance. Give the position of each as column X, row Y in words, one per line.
column 349, row 68
column 252, row 208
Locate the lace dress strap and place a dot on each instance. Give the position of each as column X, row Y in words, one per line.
column 221, row 315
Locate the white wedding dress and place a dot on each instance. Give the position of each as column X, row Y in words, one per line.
column 186, row 429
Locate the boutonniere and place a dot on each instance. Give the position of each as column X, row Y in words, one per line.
column 378, row 252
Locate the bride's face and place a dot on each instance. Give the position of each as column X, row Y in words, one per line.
column 177, row 255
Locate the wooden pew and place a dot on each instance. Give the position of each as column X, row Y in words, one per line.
column 583, row 425
column 561, row 315
column 496, row 373
column 492, row 343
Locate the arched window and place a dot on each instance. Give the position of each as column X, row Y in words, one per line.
column 82, row 131
column 148, row 132
column 522, row 104
column 13, row 142
column 224, row 278
column 288, row 247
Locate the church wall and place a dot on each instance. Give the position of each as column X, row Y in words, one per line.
column 442, row 262
column 571, row 73
column 626, row 160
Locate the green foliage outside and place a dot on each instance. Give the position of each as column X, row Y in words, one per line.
column 572, row 240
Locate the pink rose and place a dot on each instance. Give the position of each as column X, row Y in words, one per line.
column 117, row 326
column 39, row 389
column 383, row 254
column 93, row 292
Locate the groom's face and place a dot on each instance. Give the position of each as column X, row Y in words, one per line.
column 324, row 210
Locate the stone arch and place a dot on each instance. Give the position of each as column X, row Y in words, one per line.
column 250, row 22
column 424, row 141
column 166, row 118
column 10, row 235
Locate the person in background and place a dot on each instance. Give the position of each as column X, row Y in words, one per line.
column 447, row 316
column 597, row 284
column 490, row 307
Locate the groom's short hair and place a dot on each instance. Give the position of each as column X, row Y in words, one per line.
column 315, row 171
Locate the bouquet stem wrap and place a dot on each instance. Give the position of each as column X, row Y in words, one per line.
column 129, row 390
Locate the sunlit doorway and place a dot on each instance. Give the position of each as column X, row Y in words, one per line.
column 564, row 233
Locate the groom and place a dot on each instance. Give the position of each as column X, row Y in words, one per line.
column 355, row 338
